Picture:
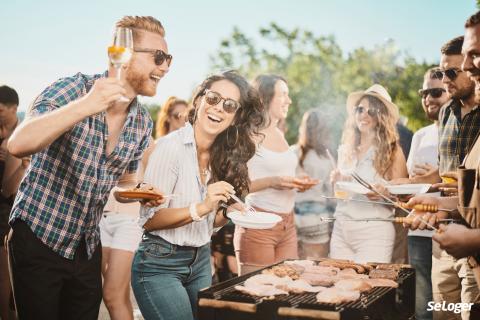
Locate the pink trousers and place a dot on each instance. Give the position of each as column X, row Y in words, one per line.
column 256, row 249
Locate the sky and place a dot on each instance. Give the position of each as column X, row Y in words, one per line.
column 42, row 41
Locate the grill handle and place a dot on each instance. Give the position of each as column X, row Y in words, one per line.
column 237, row 306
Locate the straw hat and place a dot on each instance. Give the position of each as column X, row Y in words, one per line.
column 376, row 91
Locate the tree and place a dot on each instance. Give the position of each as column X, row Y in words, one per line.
column 319, row 75
column 153, row 109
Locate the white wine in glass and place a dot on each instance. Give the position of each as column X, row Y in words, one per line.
column 120, row 51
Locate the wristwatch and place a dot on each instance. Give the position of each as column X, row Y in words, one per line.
column 193, row 212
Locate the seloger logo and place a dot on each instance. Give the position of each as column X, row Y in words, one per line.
column 444, row 306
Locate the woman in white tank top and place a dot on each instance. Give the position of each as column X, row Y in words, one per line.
column 370, row 148
column 273, row 185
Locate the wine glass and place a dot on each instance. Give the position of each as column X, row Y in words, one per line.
column 120, row 51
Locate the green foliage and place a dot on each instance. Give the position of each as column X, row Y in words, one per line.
column 153, row 110
column 320, row 75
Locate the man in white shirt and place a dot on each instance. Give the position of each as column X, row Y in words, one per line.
column 423, row 157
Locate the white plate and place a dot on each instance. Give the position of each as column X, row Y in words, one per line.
column 259, row 220
column 354, row 187
column 408, row 188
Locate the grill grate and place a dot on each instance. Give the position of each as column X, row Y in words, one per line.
column 378, row 302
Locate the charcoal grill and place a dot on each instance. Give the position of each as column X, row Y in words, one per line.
column 222, row 301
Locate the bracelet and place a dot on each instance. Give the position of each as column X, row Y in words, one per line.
column 193, row 212
column 223, row 207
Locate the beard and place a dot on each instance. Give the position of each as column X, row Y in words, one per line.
column 465, row 93
column 140, row 82
column 433, row 115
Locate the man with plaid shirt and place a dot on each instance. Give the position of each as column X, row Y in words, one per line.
column 459, row 125
column 83, row 140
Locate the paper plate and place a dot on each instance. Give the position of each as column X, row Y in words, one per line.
column 351, row 187
column 139, row 195
column 259, row 220
column 408, row 188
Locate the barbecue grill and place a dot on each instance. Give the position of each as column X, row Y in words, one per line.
column 222, row 301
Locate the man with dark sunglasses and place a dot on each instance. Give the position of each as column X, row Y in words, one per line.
column 459, row 125
column 456, row 239
column 459, row 121
column 424, row 156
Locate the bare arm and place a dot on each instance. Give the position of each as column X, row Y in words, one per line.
column 260, row 184
column 276, row 182
column 399, row 165
column 13, row 175
column 48, row 127
column 432, row 177
column 169, row 218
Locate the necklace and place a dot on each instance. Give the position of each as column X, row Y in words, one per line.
column 204, row 172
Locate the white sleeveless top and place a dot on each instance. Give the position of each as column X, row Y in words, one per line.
column 352, row 209
column 267, row 163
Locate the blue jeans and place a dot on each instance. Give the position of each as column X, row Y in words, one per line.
column 310, row 229
column 166, row 278
column 420, row 257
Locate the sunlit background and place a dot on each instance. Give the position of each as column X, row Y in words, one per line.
column 44, row 40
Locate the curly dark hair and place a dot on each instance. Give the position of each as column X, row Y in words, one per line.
column 233, row 147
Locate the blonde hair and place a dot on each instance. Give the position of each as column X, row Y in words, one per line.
column 139, row 24
column 163, row 124
column 386, row 136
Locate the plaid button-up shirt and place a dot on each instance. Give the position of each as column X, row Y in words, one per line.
column 456, row 135
column 67, row 184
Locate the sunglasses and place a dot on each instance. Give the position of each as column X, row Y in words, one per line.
column 433, row 92
column 159, row 56
column 371, row 112
column 229, row 105
column 451, row 73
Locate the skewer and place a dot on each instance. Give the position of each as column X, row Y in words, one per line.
column 370, row 187
column 394, row 220
column 417, row 207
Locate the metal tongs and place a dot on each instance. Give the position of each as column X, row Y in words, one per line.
column 372, row 188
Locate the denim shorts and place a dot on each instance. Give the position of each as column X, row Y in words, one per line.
column 310, row 229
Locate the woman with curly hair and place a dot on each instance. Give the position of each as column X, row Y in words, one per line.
column 171, row 116
column 370, row 148
column 202, row 164
column 273, row 188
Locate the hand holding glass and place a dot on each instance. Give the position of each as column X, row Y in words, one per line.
column 120, row 51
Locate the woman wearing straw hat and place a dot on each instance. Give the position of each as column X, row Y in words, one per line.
column 370, row 148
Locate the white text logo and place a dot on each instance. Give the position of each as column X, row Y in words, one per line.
column 444, row 306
